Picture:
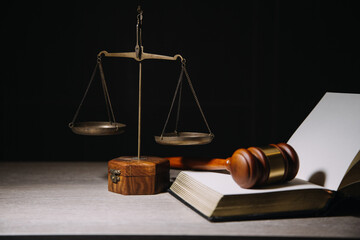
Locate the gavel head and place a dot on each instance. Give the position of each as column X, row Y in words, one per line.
column 258, row 166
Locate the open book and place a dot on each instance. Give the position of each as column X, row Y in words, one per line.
column 328, row 146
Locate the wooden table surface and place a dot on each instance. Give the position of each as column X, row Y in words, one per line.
column 70, row 200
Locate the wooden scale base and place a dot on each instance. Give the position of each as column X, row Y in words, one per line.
column 133, row 176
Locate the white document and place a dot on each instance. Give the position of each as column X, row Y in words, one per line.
column 329, row 138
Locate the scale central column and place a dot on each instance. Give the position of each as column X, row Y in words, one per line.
column 139, row 114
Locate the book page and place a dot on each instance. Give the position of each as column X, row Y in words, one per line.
column 225, row 185
column 329, row 139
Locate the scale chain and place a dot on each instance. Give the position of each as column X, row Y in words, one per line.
column 106, row 95
column 83, row 98
column 173, row 101
column 196, row 99
column 178, row 110
column 179, row 86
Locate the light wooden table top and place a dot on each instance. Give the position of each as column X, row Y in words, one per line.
column 70, row 199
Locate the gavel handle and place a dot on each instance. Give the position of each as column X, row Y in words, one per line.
column 197, row 163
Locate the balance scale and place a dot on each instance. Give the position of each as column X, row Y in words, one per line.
column 111, row 127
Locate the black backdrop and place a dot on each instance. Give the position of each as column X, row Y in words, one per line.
column 258, row 68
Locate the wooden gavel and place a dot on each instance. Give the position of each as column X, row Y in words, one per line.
column 251, row 167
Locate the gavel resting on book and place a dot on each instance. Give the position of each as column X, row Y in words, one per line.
column 251, row 167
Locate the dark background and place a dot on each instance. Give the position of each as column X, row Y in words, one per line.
column 258, row 67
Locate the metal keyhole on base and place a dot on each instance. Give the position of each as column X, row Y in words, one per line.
column 184, row 138
column 115, row 175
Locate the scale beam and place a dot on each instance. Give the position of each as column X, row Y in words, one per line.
column 143, row 56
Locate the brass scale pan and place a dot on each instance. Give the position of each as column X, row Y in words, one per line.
column 184, row 138
column 98, row 128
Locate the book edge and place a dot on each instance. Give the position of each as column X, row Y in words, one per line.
column 278, row 215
